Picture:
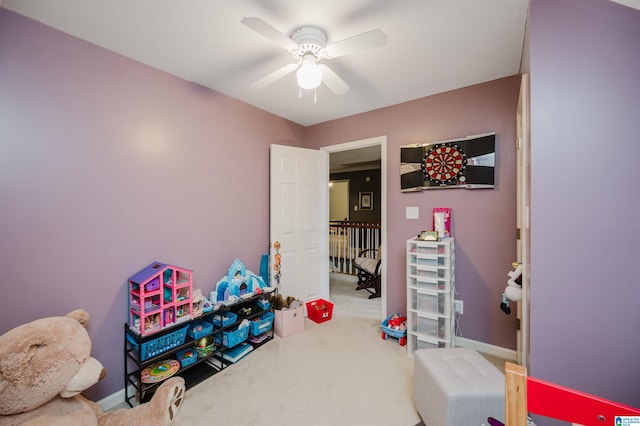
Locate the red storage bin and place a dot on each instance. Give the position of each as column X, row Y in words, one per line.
column 319, row 310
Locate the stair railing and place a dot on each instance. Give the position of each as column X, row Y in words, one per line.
column 348, row 239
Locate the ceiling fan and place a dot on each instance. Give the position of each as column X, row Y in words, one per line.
column 308, row 46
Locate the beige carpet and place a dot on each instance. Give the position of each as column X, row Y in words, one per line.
column 340, row 372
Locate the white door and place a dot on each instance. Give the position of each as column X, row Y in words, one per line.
column 523, row 203
column 299, row 221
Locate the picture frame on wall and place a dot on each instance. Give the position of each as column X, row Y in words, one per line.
column 365, row 201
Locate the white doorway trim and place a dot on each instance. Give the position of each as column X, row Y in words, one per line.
column 523, row 243
column 382, row 142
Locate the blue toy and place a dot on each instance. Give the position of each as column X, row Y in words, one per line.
column 238, row 282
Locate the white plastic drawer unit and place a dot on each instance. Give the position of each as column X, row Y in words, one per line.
column 421, row 342
column 430, row 260
column 430, row 293
column 438, row 327
column 433, row 248
column 431, row 272
column 433, row 303
column 430, row 284
column 426, row 344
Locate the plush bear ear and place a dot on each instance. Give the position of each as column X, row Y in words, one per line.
column 19, row 355
column 38, row 359
column 79, row 315
column 16, row 375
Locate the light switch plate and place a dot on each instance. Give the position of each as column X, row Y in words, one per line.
column 413, row 213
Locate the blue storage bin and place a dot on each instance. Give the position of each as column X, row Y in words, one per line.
column 159, row 345
column 230, row 339
column 187, row 357
column 199, row 329
column 224, row 319
column 262, row 324
column 264, row 304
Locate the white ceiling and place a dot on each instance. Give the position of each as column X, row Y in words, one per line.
column 433, row 46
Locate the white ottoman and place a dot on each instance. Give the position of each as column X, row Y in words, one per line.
column 456, row 387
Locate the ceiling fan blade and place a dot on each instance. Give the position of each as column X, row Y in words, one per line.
column 266, row 30
column 274, row 76
column 332, row 81
column 364, row 41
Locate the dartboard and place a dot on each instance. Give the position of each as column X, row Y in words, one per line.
column 444, row 163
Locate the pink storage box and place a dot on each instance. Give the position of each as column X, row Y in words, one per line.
column 289, row 321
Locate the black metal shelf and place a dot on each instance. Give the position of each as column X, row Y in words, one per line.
column 200, row 370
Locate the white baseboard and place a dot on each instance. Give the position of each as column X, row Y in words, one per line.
column 487, row 348
column 116, row 399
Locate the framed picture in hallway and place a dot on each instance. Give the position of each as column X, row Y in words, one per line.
column 366, row 201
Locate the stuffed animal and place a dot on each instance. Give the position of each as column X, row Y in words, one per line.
column 45, row 364
column 513, row 290
column 279, row 302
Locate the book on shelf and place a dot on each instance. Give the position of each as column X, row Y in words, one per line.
column 237, row 352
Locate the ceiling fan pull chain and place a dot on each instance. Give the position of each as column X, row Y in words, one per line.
column 315, row 96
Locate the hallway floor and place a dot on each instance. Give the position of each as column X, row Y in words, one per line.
column 349, row 301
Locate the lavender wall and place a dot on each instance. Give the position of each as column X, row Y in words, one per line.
column 585, row 105
column 483, row 220
column 107, row 165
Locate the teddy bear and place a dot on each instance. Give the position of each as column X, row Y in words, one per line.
column 45, row 364
column 279, row 302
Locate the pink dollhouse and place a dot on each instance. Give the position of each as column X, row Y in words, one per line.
column 160, row 296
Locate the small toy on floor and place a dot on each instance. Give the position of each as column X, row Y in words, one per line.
column 398, row 322
column 395, row 326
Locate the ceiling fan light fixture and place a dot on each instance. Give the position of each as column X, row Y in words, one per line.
column 309, row 75
column 308, row 45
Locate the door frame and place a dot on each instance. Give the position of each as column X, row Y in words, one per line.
column 523, row 201
column 363, row 143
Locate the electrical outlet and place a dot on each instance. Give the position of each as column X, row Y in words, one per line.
column 458, row 306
